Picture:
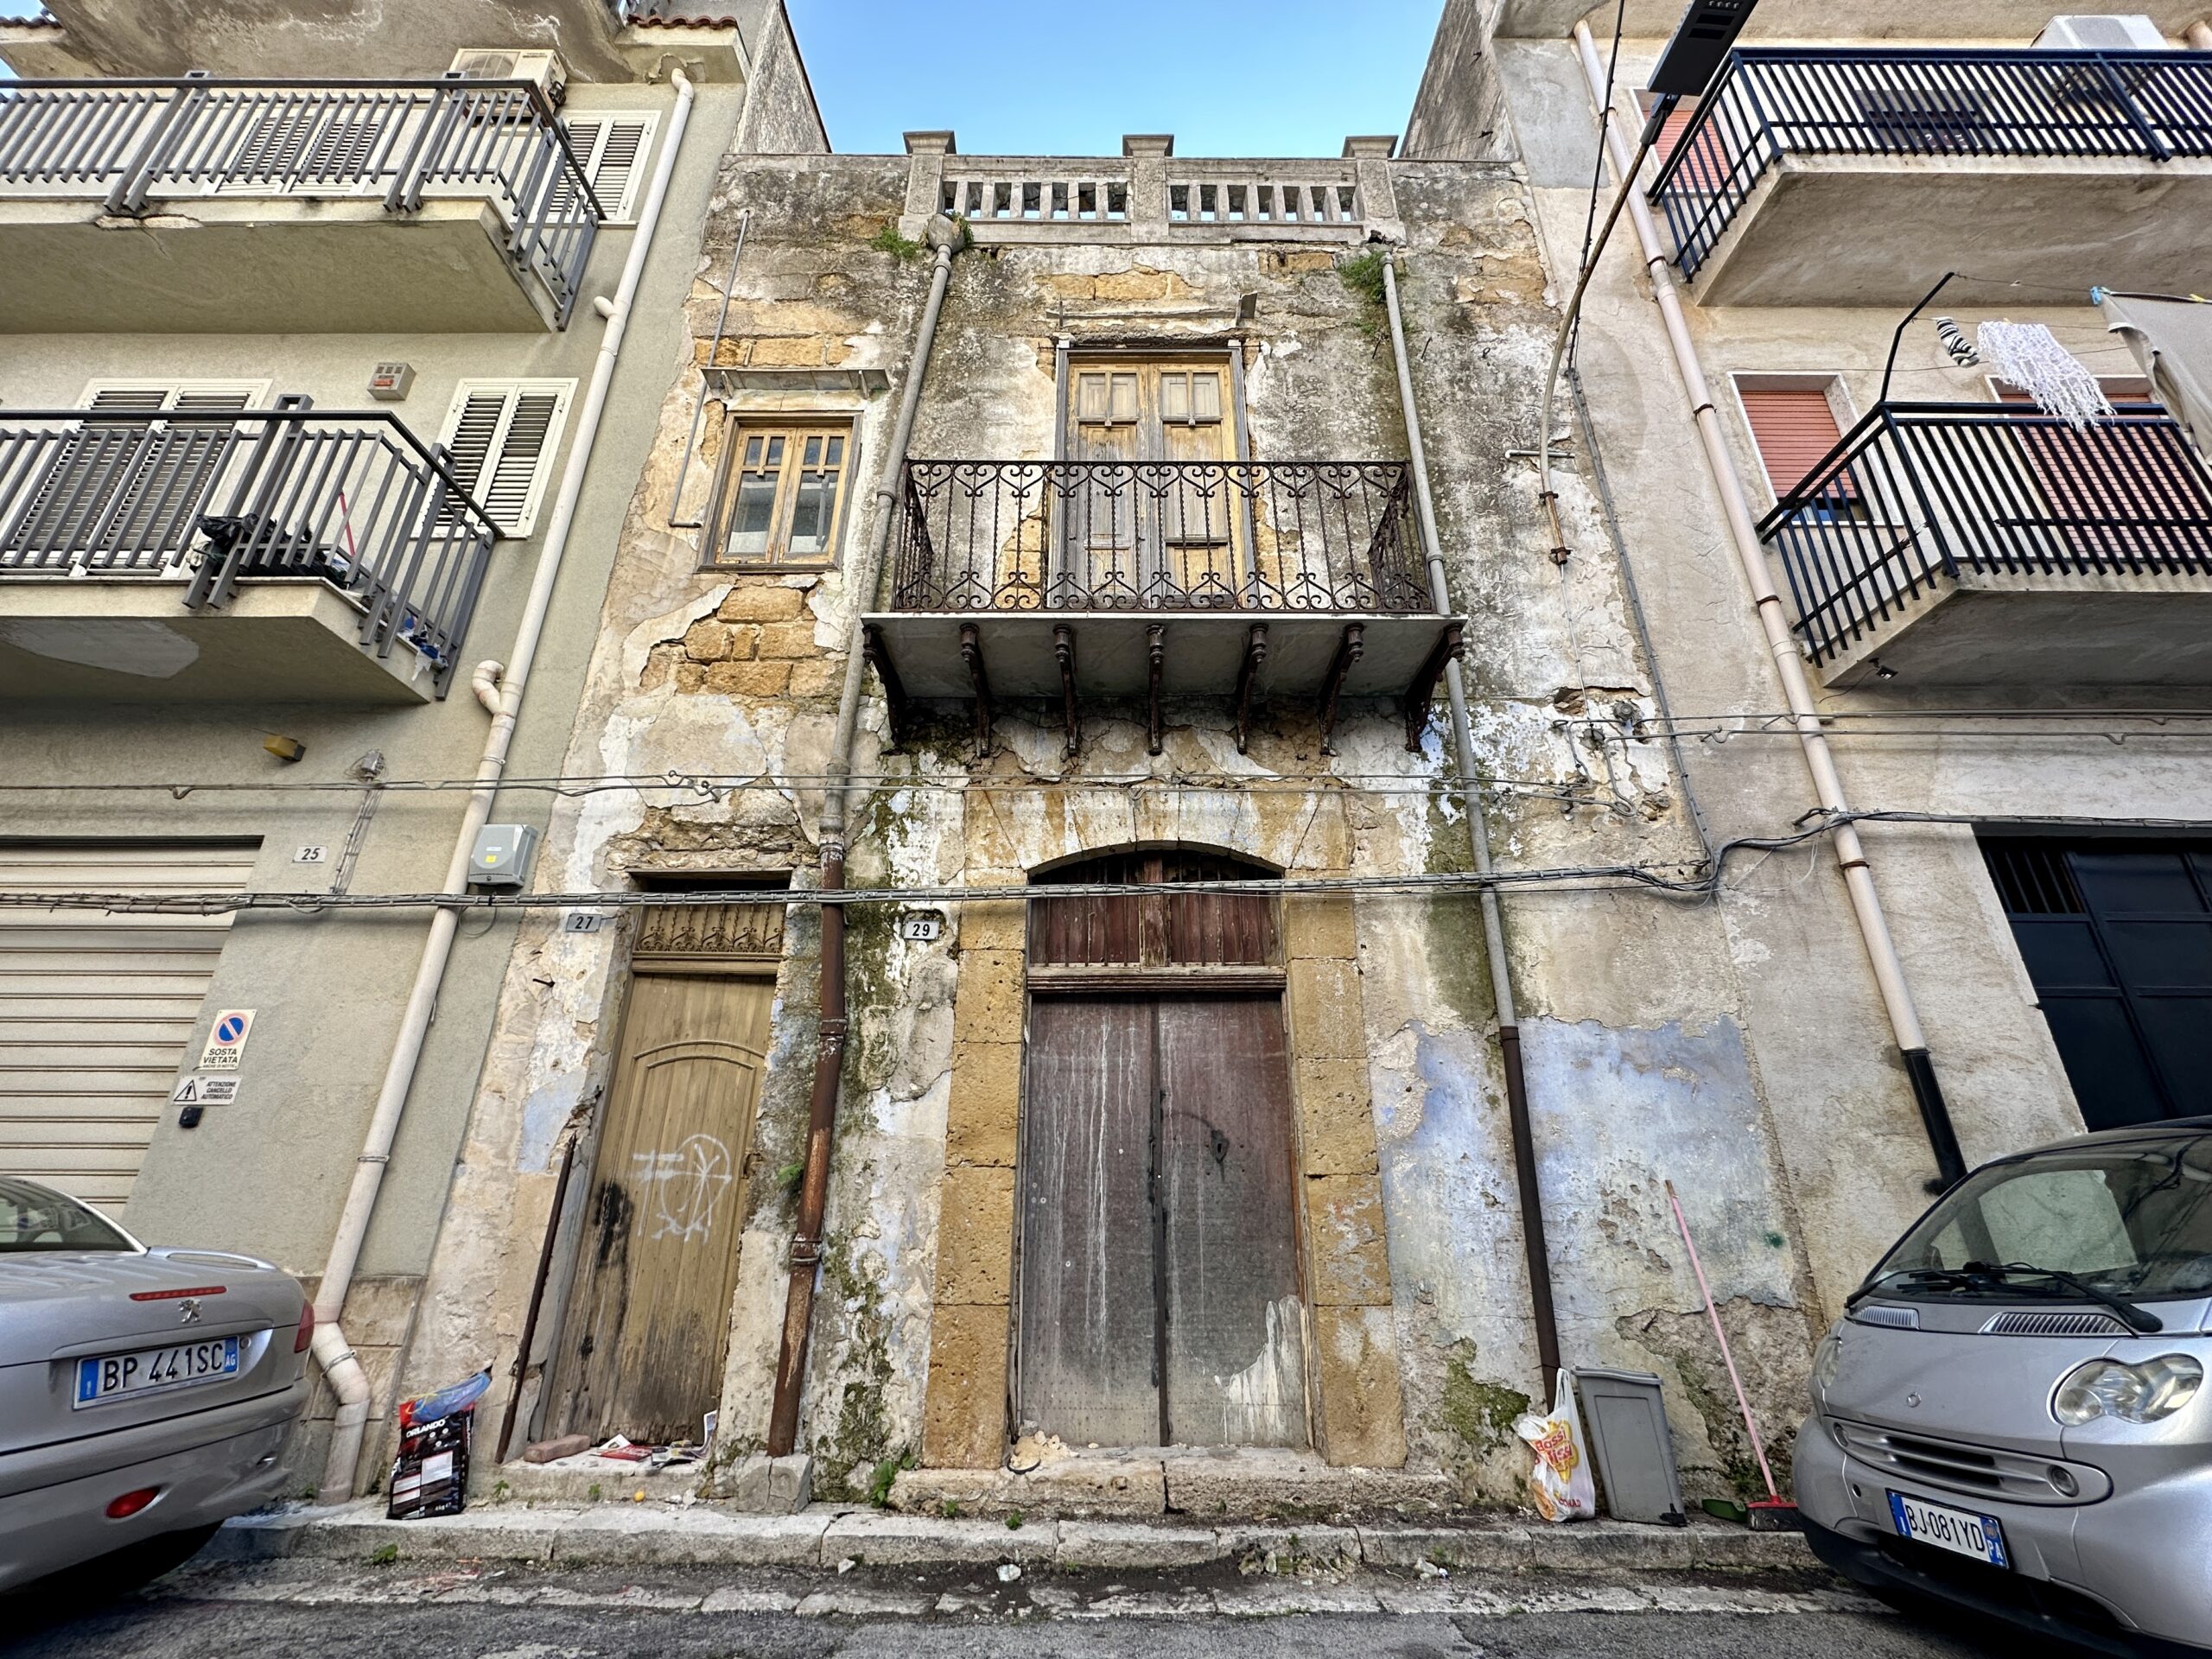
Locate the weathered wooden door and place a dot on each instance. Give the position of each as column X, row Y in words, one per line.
column 1136, row 532
column 648, row 1318
column 1159, row 1299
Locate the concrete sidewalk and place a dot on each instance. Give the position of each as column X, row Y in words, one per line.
column 834, row 1536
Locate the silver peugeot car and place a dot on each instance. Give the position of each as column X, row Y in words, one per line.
column 144, row 1394
column 2011, row 1417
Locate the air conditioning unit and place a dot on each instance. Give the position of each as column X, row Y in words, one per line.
column 2102, row 32
column 545, row 69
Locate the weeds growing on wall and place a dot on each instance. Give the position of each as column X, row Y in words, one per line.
column 1363, row 276
column 887, row 240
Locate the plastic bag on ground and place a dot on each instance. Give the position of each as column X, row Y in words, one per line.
column 1559, row 1485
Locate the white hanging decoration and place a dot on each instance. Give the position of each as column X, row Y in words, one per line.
column 2029, row 355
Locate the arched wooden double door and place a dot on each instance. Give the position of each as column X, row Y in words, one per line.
column 1158, row 1243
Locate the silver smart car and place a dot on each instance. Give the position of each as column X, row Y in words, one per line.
column 2012, row 1418
column 144, row 1394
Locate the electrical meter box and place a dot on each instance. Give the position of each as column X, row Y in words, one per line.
column 500, row 860
column 1625, row 1418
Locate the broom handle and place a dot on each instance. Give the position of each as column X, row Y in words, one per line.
column 1758, row 1449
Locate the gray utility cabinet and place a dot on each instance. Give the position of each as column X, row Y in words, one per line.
column 1625, row 1417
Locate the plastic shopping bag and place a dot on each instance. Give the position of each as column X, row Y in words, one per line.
column 1559, row 1485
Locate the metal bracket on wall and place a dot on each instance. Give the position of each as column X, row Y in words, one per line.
column 971, row 652
column 1064, row 649
column 1347, row 652
column 706, row 380
column 894, row 688
column 1422, row 692
column 1155, row 645
column 1256, row 652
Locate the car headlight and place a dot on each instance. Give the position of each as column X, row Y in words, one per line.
column 2140, row 1393
column 1828, row 1359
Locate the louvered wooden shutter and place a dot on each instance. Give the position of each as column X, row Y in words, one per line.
column 1793, row 430
column 611, row 147
column 97, row 1011
column 502, row 435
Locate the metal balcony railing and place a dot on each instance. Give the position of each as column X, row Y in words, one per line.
column 1916, row 493
column 1769, row 102
column 213, row 497
column 1277, row 535
column 125, row 142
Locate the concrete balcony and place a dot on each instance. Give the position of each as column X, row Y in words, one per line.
column 1859, row 177
column 265, row 556
column 1134, row 582
column 1990, row 545
column 204, row 205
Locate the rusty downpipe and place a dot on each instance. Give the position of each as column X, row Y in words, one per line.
column 947, row 237
column 1538, row 1254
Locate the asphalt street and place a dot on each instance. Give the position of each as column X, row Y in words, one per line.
column 463, row 1611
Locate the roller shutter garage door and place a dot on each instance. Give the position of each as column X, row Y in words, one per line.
column 96, row 1010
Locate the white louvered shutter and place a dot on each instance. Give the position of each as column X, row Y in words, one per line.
column 127, row 495
column 611, row 146
column 502, row 435
column 98, row 1011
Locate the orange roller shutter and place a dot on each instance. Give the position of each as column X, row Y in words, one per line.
column 1793, row 430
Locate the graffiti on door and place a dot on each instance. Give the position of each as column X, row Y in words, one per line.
column 684, row 1186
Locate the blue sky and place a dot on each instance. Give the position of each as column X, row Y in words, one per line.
column 1051, row 76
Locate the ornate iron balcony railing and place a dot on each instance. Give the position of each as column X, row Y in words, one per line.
column 1769, row 102
column 1158, row 536
column 213, row 497
column 1916, row 493
column 126, row 142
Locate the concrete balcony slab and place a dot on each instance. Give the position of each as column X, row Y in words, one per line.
column 126, row 639
column 2039, row 631
column 1879, row 229
column 264, row 264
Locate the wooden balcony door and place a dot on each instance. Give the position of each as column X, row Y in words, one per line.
column 1133, row 533
column 1160, row 1298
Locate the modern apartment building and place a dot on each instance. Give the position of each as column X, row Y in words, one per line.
column 304, row 313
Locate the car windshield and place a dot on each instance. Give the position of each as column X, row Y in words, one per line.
column 34, row 1217
column 2132, row 1220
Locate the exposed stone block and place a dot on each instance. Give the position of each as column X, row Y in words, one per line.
column 799, row 352
column 749, row 679
column 993, row 924
column 963, row 1413
column 1319, row 925
column 985, row 1104
column 975, row 1235
column 1326, row 1016
column 821, row 676
column 1363, row 1414
column 987, row 1007
column 1350, row 1252
column 761, row 602
column 707, row 641
column 1132, row 1545
column 789, row 639
column 1336, row 1118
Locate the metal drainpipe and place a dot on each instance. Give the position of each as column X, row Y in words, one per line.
column 829, row 1050
column 342, row 1367
column 1470, row 796
column 1789, row 661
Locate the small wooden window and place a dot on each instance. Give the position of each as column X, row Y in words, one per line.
column 783, row 494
